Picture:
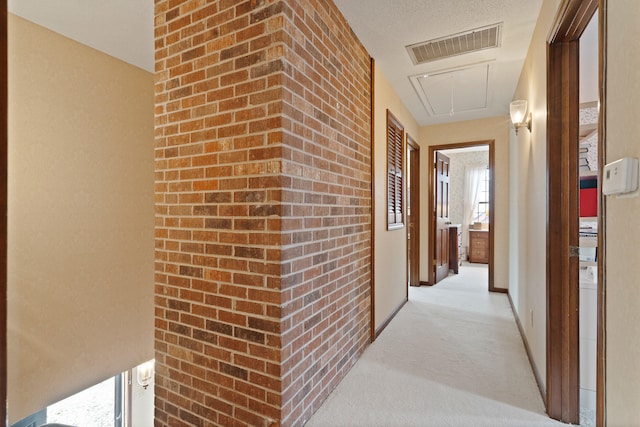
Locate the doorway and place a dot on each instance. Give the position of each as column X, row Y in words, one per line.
column 564, row 253
column 459, row 244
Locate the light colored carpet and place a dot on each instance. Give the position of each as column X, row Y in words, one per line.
column 452, row 357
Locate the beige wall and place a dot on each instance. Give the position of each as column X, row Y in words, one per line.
column 80, row 261
column 390, row 257
column 622, row 230
column 527, row 286
column 622, row 270
column 496, row 128
column 390, row 246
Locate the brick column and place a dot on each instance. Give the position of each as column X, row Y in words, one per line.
column 327, row 239
column 262, row 209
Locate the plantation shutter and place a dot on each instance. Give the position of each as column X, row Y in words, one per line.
column 395, row 176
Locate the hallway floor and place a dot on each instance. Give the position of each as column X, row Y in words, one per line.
column 452, row 356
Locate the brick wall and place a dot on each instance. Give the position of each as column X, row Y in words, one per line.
column 327, row 239
column 262, row 209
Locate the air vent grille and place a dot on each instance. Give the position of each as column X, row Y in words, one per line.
column 457, row 44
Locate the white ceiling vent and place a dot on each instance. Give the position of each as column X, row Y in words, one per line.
column 456, row 44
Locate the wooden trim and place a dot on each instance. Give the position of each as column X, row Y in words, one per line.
column 527, row 348
column 562, row 232
column 571, row 20
column 414, row 179
column 534, row 368
column 499, row 290
column 373, row 203
column 431, row 220
column 601, row 355
column 562, row 385
column 423, row 283
column 389, row 319
column 3, row 211
column 492, row 218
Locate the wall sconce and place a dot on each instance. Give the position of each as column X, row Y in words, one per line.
column 144, row 373
column 519, row 116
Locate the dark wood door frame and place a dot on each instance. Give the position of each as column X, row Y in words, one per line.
column 602, row 253
column 432, row 219
column 562, row 383
column 413, row 245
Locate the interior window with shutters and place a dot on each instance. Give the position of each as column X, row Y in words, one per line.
column 395, row 172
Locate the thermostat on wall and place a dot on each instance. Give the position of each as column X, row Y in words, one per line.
column 620, row 177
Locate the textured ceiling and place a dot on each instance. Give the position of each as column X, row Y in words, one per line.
column 385, row 27
column 124, row 29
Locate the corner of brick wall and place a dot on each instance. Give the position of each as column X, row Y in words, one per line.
column 262, row 209
column 327, row 156
column 218, row 212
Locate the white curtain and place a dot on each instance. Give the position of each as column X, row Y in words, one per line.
column 473, row 177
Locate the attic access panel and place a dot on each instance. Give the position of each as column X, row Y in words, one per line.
column 454, row 91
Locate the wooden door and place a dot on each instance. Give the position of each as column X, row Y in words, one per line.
column 441, row 204
column 413, row 213
column 563, row 118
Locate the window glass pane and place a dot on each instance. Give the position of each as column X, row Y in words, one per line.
column 482, row 210
column 93, row 407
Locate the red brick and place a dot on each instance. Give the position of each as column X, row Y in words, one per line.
column 262, row 208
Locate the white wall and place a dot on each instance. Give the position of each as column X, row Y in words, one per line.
column 80, row 217
column 529, row 181
column 518, row 171
column 390, row 257
column 622, row 230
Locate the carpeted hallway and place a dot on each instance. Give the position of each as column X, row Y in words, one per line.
column 452, row 357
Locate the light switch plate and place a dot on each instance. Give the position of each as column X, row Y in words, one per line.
column 620, row 177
